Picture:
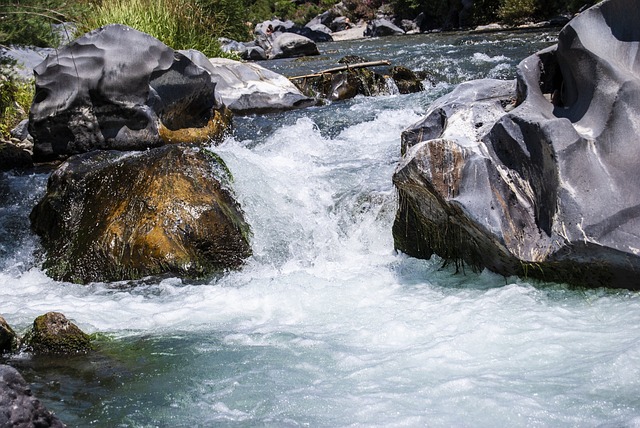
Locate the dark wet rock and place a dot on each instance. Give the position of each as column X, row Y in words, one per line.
column 406, row 80
column 247, row 88
column 340, row 23
column 356, row 78
column 382, row 27
column 343, row 85
column 53, row 333
column 540, row 181
column 12, row 156
column 316, row 33
column 8, row 337
column 18, row 407
column 290, row 45
column 255, row 53
column 118, row 88
column 110, row 216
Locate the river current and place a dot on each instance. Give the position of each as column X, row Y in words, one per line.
column 327, row 326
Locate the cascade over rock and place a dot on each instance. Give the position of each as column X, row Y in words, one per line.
column 109, row 216
column 541, row 177
column 118, row 88
column 18, row 407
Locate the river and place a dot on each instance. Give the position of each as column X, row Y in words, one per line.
column 327, row 326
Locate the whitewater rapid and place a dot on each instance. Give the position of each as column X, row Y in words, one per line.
column 326, row 325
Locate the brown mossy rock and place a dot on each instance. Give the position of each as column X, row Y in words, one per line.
column 110, row 216
column 8, row 338
column 343, row 85
column 406, row 80
column 53, row 333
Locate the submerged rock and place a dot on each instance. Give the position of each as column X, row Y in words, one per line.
column 406, row 80
column 110, row 216
column 8, row 338
column 53, row 333
column 18, row 407
column 540, row 179
column 355, row 78
column 118, row 88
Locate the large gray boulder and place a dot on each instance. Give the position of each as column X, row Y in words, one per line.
column 18, row 407
column 247, row 88
column 541, row 177
column 118, row 88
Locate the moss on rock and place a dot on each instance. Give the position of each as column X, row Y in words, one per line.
column 53, row 333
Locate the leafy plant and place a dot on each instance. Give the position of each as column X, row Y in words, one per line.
column 516, row 11
column 32, row 22
column 15, row 100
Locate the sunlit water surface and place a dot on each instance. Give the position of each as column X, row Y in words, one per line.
column 327, row 326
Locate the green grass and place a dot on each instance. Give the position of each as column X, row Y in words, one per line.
column 178, row 24
column 15, row 100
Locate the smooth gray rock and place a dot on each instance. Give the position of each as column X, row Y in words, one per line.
column 542, row 181
column 247, row 88
column 117, row 88
column 290, row 45
column 18, row 407
column 382, row 27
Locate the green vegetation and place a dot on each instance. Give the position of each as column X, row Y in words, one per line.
column 31, row 22
column 178, row 24
column 15, row 99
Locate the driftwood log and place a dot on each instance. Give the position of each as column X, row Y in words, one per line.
column 343, row 68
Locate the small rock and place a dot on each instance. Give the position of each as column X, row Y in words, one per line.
column 53, row 333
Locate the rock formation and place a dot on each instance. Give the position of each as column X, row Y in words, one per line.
column 53, row 334
column 18, row 407
column 118, row 88
column 356, row 78
column 291, row 45
column 111, row 216
column 537, row 178
column 382, row 27
column 8, row 338
column 247, row 88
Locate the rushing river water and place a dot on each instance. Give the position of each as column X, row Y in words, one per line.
column 326, row 326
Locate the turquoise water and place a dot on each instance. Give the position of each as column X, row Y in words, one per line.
column 327, row 326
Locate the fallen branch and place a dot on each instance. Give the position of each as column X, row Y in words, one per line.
column 343, row 68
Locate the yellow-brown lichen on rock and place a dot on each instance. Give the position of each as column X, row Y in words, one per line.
column 110, row 216
column 53, row 333
column 214, row 130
